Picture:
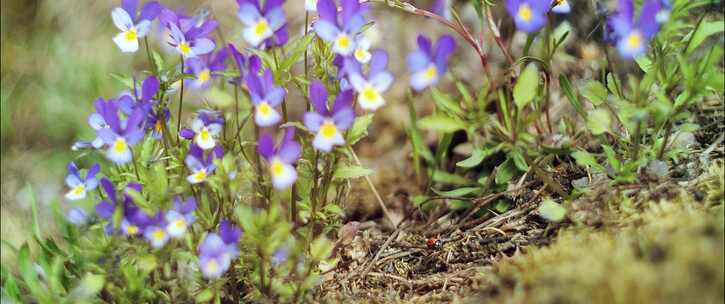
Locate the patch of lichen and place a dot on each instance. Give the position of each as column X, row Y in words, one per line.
column 660, row 245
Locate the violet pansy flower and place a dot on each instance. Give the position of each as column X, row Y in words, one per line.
column 188, row 37
column 339, row 29
column 442, row 8
column 265, row 96
column 132, row 26
column 77, row 216
column 370, row 88
column 327, row 124
column 79, row 185
column 428, row 64
column 560, row 6
column 281, row 159
column 362, row 49
column 263, row 25
column 180, row 217
column 134, row 219
column 203, row 69
column 201, row 167
column 529, row 15
column 632, row 37
column 155, row 232
column 121, row 134
column 245, row 65
column 217, row 250
column 204, row 129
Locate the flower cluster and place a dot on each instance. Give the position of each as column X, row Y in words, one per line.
column 217, row 250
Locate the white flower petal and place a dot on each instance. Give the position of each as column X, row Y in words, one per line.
column 126, row 45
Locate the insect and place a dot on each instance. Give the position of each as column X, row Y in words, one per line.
column 433, row 243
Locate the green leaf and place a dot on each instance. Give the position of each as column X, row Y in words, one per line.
column 477, row 156
column 204, row 296
column 359, row 128
column 441, row 123
column 568, row 89
column 460, row 192
column 297, row 49
column 502, row 206
column 598, row 121
column 612, row 158
column 445, row 103
column 551, row 211
column 706, row 29
column 585, row 159
column 595, row 92
column 89, row 287
column 505, row 172
column 320, row 249
column 125, row 81
column 348, row 172
column 526, row 86
column 449, row 178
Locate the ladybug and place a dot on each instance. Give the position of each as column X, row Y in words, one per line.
column 433, row 243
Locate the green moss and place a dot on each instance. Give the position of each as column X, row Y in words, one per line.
column 652, row 249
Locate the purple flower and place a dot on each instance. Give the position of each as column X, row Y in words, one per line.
column 201, row 167
column 187, row 35
column 370, row 88
column 205, row 127
column 155, row 233
column 265, row 96
column 217, row 251
column 180, row 217
column 560, row 6
column 339, row 30
column 362, row 49
column 120, row 134
column 203, row 69
column 244, row 65
column 281, row 159
column 328, row 124
column 132, row 26
column 442, row 8
column 263, row 25
column 77, row 216
column 280, row 256
column 134, row 219
column 632, row 38
column 79, row 185
column 426, row 64
column 529, row 15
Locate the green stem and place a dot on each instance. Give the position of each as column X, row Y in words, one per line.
column 181, row 102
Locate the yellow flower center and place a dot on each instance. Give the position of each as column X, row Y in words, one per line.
column 369, row 93
column 560, row 2
column 204, row 134
column 525, row 12
column 204, row 76
column 120, row 145
column 431, row 72
column 79, row 189
column 184, row 48
column 343, row 41
column 180, row 223
column 277, row 168
column 328, row 129
column 200, row 175
column 159, row 234
column 159, row 127
column 132, row 229
column 361, row 54
column 634, row 40
column 212, row 266
column 131, row 35
column 264, row 109
column 261, row 27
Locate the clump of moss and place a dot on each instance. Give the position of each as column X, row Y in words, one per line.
column 650, row 251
